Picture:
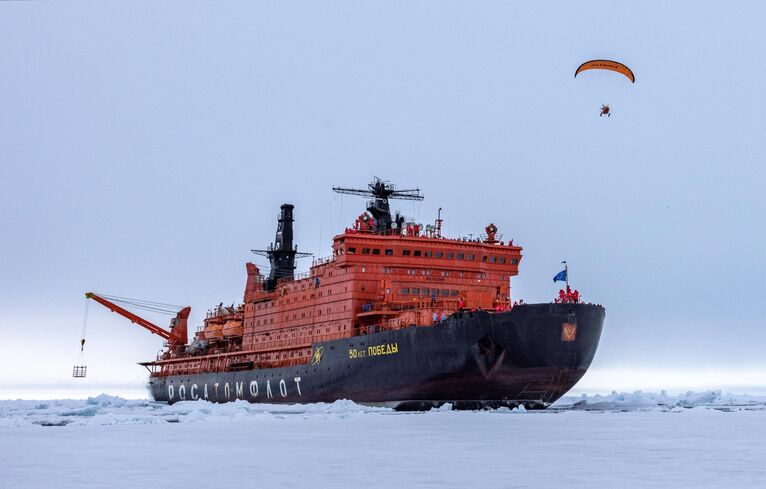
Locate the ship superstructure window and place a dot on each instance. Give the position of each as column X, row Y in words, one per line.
column 453, row 293
column 428, row 254
column 405, row 291
column 444, row 292
column 501, row 259
column 469, row 257
column 492, row 259
column 376, row 251
column 389, row 252
column 365, row 251
column 405, row 252
column 415, row 291
column 514, row 261
column 460, row 256
column 439, row 254
column 417, row 253
column 484, row 258
column 424, row 291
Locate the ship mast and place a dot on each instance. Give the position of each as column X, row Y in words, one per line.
column 381, row 191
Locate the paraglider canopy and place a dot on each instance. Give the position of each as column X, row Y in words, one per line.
column 605, row 64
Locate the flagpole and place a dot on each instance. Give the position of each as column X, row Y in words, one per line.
column 566, row 273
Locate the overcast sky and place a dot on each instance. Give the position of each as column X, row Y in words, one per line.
column 145, row 148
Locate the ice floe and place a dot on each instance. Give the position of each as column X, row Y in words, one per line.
column 111, row 410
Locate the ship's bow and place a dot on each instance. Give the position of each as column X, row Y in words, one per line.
column 546, row 349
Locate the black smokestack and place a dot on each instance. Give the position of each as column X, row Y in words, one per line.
column 282, row 253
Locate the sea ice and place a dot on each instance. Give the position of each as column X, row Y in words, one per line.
column 631, row 440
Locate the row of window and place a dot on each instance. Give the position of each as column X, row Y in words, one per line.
column 286, row 317
column 428, row 292
column 295, row 299
column 291, row 333
column 449, row 255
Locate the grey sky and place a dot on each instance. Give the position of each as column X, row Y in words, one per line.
column 146, row 148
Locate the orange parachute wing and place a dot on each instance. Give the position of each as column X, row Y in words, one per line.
column 605, row 64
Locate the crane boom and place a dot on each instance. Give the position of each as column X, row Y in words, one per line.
column 177, row 334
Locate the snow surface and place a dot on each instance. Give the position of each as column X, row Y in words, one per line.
column 620, row 440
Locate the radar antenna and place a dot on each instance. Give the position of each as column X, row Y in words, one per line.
column 381, row 191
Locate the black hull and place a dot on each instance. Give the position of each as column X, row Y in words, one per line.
column 530, row 355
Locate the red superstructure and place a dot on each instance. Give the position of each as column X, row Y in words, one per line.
column 374, row 282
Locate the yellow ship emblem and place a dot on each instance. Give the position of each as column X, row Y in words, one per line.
column 568, row 331
column 317, row 358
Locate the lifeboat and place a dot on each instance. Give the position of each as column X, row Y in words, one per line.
column 232, row 328
column 214, row 331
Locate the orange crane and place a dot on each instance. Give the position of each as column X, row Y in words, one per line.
column 177, row 336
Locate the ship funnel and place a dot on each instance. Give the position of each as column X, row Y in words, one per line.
column 282, row 258
column 282, row 253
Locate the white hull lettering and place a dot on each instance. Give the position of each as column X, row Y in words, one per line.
column 239, row 390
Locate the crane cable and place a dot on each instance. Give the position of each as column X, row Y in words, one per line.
column 84, row 325
column 158, row 307
column 80, row 367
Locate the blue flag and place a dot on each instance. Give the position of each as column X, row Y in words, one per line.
column 561, row 276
